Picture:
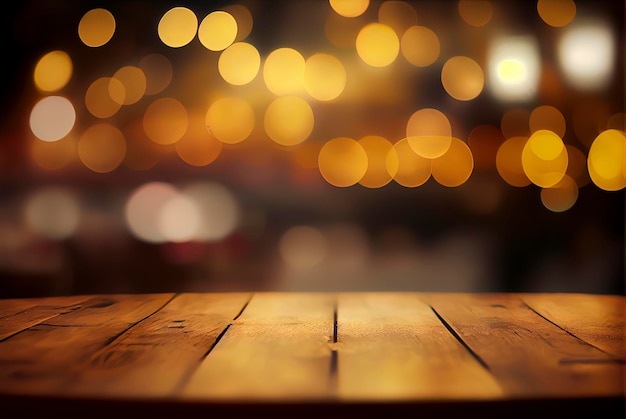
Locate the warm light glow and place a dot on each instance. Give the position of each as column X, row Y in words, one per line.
column 420, row 46
column 165, row 120
column 288, row 120
column 197, row 147
column 342, row 162
column 53, row 71
column 219, row 210
column 549, row 118
column 54, row 155
column 556, row 13
column 544, row 158
column 377, row 148
column 143, row 210
column 134, row 81
column 283, row 71
column 398, row 15
column 462, row 78
column 324, row 77
column 244, row 20
column 230, row 120
column 509, row 162
column 455, row 166
column 179, row 219
column 52, row 118
column 102, row 148
column 607, row 159
column 561, row 196
column 217, row 30
column 158, row 72
column 429, row 133
column 514, row 68
column 475, row 12
column 96, row 27
column 302, row 247
column 53, row 212
column 377, row 45
column 484, row 142
column 178, row 27
column 408, row 168
column 349, row 8
column 239, row 63
column 104, row 97
column 586, row 55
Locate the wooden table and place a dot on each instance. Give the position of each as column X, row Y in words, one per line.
column 313, row 355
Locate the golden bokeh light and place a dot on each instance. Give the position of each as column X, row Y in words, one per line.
column 398, row 15
column 230, row 120
column 342, row 162
column 177, row 27
column 53, row 155
column 548, row 118
column 104, row 97
column 302, row 247
column 377, row 148
column 561, row 196
column 476, row 13
column 408, row 168
column 420, row 46
column 377, row 45
column 244, row 20
column 239, row 63
column 509, row 162
column 288, row 120
column 158, row 72
column 462, row 78
column 606, row 160
column 197, row 147
column 52, row 118
column 515, row 123
column 96, row 27
column 455, row 166
column 134, row 81
column 165, row 120
column 217, row 30
column 556, row 13
column 53, row 212
column 102, row 148
column 53, row 71
column 577, row 166
column 544, row 158
column 324, row 77
column 429, row 133
column 484, row 142
column 349, row 8
column 283, row 71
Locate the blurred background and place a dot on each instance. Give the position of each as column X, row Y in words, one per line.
column 312, row 145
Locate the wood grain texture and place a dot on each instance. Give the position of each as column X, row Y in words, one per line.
column 277, row 350
column 392, row 346
column 529, row 356
column 44, row 358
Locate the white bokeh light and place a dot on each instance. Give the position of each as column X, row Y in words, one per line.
column 514, row 68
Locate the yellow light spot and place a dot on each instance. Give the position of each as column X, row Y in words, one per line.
column 455, row 167
column 509, row 162
column 96, row 27
column 134, row 82
column 102, row 148
column 53, row 212
column 98, row 99
column 420, row 46
column 217, row 30
column 462, row 78
column 197, row 147
column 515, row 123
column 283, row 71
column 239, row 63
column 514, row 64
column 288, row 120
column 52, row 118
column 547, row 118
column 577, row 166
column 302, row 247
column 244, row 20
column 475, row 12
column 408, row 168
column 561, row 196
column 377, row 148
column 53, row 155
column 165, row 120
column 398, row 15
column 349, row 8
column 53, row 71
column 377, row 45
column 429, row 133
column 606, row 160
column 324, row 77
column 556, row 13
column 158, row 72
column 230, row 120
column 511, row 72
column 544, row 158
column 342, row 162
column 177, row 27
column 484, row 141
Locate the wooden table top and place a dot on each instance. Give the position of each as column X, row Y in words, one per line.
column 313, row 355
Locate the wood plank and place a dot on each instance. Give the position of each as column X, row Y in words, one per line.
column 152, row 358
column 43, row 358
column 596, row 319
column 20, row 314
column 392, row 346
column 277, row 350
column 528, row 355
